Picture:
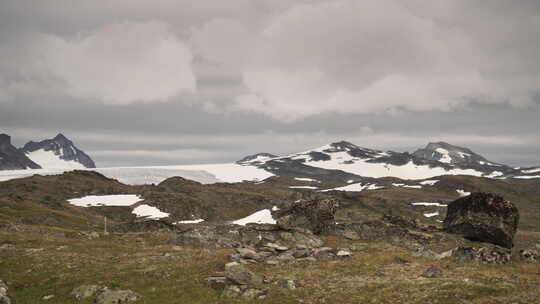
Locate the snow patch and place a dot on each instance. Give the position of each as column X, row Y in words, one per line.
column 445, row 158
column 527, row 176
column 428, row 204
column 302, row 179
column 355, row 188
column 189, row 221
column 149, row 212
column 49, row 160
column 432, row 214
column 462, row 192
column 260, row 217
column 303, row 187
column 531, row 170
column 430, row 182
column 106, row 200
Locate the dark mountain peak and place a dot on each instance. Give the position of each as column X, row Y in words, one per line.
column 61, row 138
column 11, row 158
column 5, row 139
column 62, row 147
column 433, row 146
column 256, row 158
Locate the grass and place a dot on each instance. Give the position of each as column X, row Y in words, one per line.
column 163, row 273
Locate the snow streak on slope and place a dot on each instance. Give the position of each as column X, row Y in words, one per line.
column 49, row 160
column 355, row 188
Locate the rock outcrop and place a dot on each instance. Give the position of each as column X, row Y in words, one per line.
column 63, row 148
column 483, row 217
column 482, row 255
column 251, row 235
column 317, row 215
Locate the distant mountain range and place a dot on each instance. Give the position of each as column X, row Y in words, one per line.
column 56, row 153
column 344, row 160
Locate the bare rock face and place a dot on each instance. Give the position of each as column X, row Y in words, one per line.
column 316, row 215
column 483, row 217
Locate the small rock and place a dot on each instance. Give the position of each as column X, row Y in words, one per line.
column 231, row 292
column 253, row 293
column 241, row 275
column 285, row 257
column 86, row 291
column 272, row 262
column 218, row 283
column 301, row 253
column 246, row 253
column 401, row 261
column 117, row 297
column 276, row 247
column 343, row 253
column 47, row 297
column 432, row 272
column 308, row 259
column 288, row 284
column 7, row 247
column 323, row 253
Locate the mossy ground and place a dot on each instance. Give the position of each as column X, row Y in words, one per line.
column 45, row 262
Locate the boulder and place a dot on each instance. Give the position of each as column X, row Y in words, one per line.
column 85, row 291
column 316, row 215
column 483, row 217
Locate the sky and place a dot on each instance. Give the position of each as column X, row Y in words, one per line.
column 136, row 82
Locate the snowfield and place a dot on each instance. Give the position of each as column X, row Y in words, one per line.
column 355, row 187
column 345, row 162
column 205, row 174
column 106, row 200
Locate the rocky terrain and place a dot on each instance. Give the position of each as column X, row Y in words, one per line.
column 269, row 242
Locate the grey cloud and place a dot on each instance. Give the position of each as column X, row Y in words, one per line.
column 272, row 76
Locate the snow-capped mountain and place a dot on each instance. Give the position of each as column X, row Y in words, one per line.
column 56, row 153
column 434, row 160
column 256, row 158
column 11, row 158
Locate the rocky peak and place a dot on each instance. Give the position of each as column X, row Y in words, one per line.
column 5, row 139
column 11, row 158
column 62, row 147
column 256, row 158
column 449, row 154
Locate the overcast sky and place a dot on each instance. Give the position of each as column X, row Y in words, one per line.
column 137, row 82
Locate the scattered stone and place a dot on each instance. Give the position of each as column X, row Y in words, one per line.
column 483, row 217
column 401, row 261
column 218, row 283
column 4, row 299
column 239, row 291
column 240, row 275
column 86, row 291
column 432, row 272
column 7, row 247
column 530, row 255
column 288, row 284
column 272, row 262
column 276, row 247
column 47, row 297
column 246, row 253
column 483, row 255
column 323, row 253
column 117, row 297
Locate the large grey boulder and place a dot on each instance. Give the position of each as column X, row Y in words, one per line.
column 117, row 297
column 240, row 275
column 483, row 217
column 316, row 215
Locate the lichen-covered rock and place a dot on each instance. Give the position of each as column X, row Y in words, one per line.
column 117, row 297
column 4, row 299
column 316, row 215
column 483, row 255
column 85, row 291
column 483, row 217
column 240, row 275
column 530, row 255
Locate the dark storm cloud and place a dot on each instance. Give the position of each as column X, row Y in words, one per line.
column 139, row 82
